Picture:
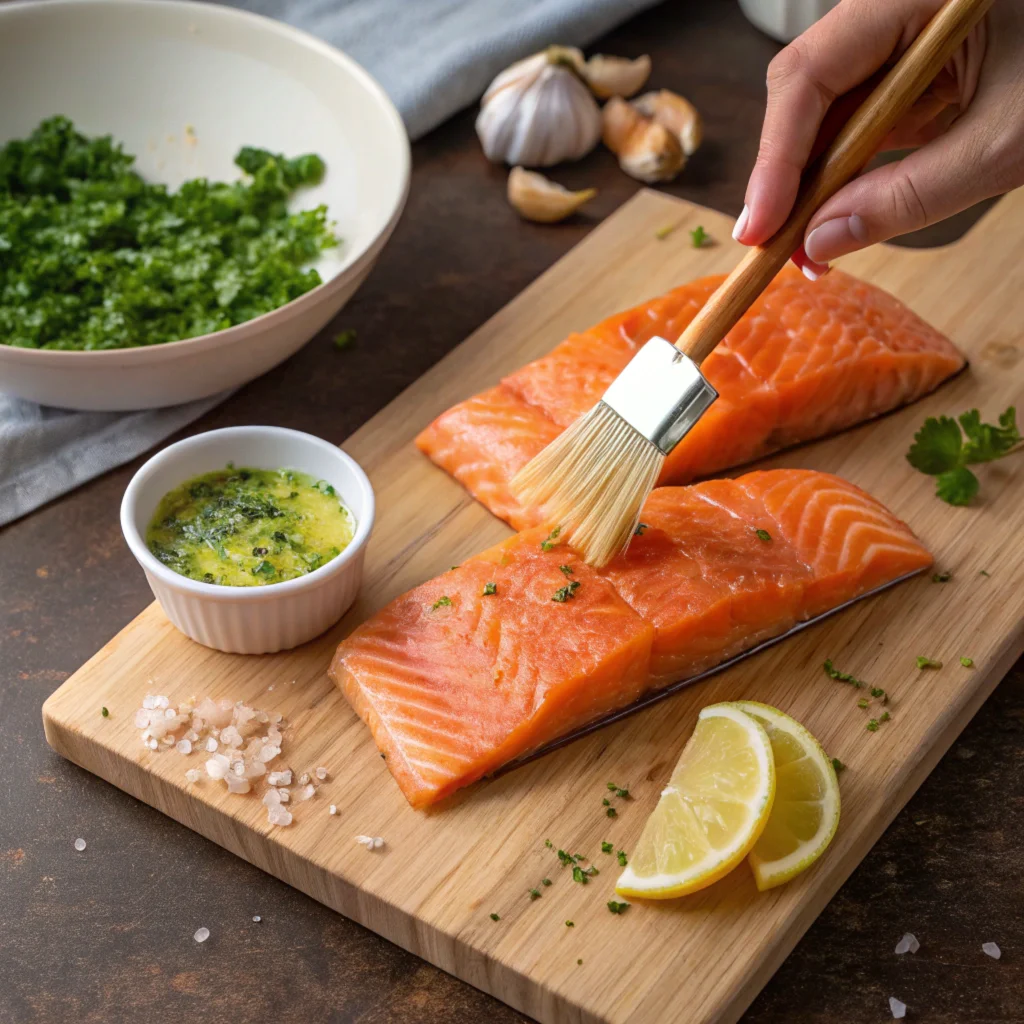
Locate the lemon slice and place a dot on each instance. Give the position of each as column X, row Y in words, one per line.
column 712, row 811
column 805, row 814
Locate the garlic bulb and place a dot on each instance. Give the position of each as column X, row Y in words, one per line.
column 616, row 76
column 646, row 150
column 538, row 112
column 540, row 199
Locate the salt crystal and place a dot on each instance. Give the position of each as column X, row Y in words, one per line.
column 170, row 713
column 216, row 769
column 333, row 808
column 271, row 798
column 193, row 775
column 152, row 744
column 162, row 702
column 254, row 769
column 306, row 793
column 908, row 944
column 896, row 1008
column 237, row 785
column 149, row 702
column 183, row 747
column 231, row 736
column 262, row 717
column 202, row 934
column 280, row 778
column 257, row 918
column 304, row 778
column 192, row 735
column 269, row 752
column 370, row 842
column 167, row 740
column 279, row 816
column 285, row 796
column 992, row 950
column 79, row 845
column 270, row 687
column 321, row 773
column 211, row 744
column 141, row 719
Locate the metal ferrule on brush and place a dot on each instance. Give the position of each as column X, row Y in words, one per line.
column 661, row 394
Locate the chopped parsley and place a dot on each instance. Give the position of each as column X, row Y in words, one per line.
column 617, row 908
column 545, row 881
column 879, row 694
column 611, row 812
column 563, row 594
column 843, row 677
column 95, row 257
column 872, row 725
column 837, row 765
column 698, row 236
column 966, row 662
column 618, row 791
column 621, row 857
column 885, row 716
column 944, row 447
column 494, row 917
column 344, row 339
column 942, row 577
column 570, row 924
column 606, row 847
column 606, row 802
column 490, row 589
column 639, row 531
column 106, row 714
column 923, row 662
column 579, row 875
column 863, row 702
column 549, row 542
column 535, row 894
column 763, row 535
column 549, row 844
column 444, row 601
column 566, row 569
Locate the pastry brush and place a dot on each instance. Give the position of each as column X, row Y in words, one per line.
column 593, row 479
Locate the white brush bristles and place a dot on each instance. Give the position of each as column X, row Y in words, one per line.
column 592, row 481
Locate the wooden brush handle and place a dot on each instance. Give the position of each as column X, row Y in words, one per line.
column 853, row 147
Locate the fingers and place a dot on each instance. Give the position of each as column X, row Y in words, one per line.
column 836, row 54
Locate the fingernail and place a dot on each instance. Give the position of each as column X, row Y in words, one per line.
column 835, row 237
column 811, row 270
column 741, row 223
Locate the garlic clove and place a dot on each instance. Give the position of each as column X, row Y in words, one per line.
column 616, row 76
column 539, row 199
column 539, row 112
column 647, row 151
column 677, row 114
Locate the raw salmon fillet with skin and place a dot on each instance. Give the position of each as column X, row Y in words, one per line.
column 806, row 360
column 455, row 682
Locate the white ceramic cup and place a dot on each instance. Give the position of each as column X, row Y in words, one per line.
column 251, row 620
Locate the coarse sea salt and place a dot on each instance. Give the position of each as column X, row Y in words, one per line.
column 193, row 775
column 280, row 778
column 370, row 842
column 908, row 944
column 306, row 793
column 79, row 845
column 202, row 934
column 257, row 918
column 992, row 950
column 321, row 774
column 897, row 1008
column 333, row 809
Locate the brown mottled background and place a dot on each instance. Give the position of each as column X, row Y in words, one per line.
column 106, row 935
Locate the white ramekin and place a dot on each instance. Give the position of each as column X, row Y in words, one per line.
column 251, row 620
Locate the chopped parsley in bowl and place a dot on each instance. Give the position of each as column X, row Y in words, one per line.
column 249, row 527
column 93, row 257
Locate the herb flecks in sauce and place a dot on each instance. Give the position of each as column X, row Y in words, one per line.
column 249, row 527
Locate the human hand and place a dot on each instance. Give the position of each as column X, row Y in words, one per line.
column 967, row 129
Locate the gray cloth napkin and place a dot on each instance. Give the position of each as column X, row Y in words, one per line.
column 433, row 57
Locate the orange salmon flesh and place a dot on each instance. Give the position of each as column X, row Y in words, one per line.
column 806, row 360
column 525, row 642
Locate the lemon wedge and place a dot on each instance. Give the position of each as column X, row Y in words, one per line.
column 712, row 811
column 805, row 813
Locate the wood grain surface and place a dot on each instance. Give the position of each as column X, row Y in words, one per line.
column 442, row 874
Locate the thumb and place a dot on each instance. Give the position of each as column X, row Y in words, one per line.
column 941, row 179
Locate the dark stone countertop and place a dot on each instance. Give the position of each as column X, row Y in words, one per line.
column 106, row 935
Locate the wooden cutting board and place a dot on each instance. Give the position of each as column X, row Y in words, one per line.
column 442, row 874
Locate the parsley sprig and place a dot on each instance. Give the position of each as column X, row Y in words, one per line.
column 944, row 447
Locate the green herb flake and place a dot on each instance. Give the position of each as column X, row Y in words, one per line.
column 984, row 572
column 617, row 908
column 763, row 535
column 570, row 924
column 444, row 601
column 490, row 589
column 563, row 594
column 611, row 812
column 566, row 569
column 842, row 677
column 621, row 857
column 623, row 794
column 549, row 542
column 494, row 917
column 942, row 577
column 106, row 714
column 545, row 881
column 698, row 236
column 344, row 339
column 872, row 725
column 606, row 847
column 606, row 802
column 837, row 765
column 944, row 447
column 535, row 894
column 884, row 717
column 863, row 702
column 549, row 844
column 640, row 528
column 879, row 694
column 578, row 875
column 923, row 662
column 966, row 662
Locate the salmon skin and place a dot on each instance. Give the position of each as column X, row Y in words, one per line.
column 806, row 360
column 525, row 643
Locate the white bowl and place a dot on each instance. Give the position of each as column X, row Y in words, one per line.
column 251, row 620
column 142, row 72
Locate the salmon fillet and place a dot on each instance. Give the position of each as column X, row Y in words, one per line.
column 524, row 643
column 806, row 360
